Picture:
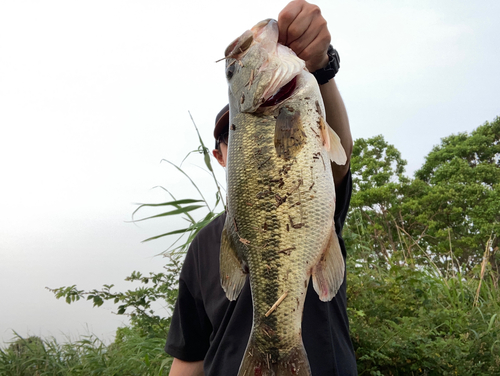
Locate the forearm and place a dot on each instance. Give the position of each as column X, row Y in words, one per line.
column 336, row 117
column 182, row 368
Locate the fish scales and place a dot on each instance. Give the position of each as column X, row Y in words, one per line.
column 279, row 226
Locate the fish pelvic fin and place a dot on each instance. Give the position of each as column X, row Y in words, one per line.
column 328, row 273
column 332, row 143
column 257, row 363
column 232, row 274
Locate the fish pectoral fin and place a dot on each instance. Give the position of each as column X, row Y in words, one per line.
column 232, row 275
column 289, row 136
column 332, row 143
column 328, row 273
column 256, row 362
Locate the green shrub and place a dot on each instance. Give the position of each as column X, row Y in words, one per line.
column 414, row 321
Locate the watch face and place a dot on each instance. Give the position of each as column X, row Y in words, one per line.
column 336, row 55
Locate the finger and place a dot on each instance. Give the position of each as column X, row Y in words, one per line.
column 286, row 18
column 307, row 21
column 315, row 55
column 314, row 41
column 307, row 37
column 301, row 25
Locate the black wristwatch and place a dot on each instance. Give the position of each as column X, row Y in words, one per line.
column 325, row 74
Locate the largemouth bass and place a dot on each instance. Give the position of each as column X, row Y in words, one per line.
column 279, row 226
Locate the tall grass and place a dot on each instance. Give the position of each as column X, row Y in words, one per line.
column 130, row 354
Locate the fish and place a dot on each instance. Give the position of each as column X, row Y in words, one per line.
column 279, row 228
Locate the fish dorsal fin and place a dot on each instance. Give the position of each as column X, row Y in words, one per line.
column 332, row 143
column 232, row 275
column 328, row 273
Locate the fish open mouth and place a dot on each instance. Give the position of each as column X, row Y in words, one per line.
column 283, row 93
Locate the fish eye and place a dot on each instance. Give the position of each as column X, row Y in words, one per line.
column 230, row 71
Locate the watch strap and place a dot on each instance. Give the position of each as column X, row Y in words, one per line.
column 325, row 74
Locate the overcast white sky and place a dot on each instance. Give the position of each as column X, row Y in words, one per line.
column 94, row 94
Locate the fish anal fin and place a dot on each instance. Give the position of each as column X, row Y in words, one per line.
column 332, row 143
column 256, row 363
column 232, row 275
column 328, row 273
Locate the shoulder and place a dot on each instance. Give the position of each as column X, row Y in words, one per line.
column 206, row 244
column 202, row 258
column 214, row 227
column 212, row 231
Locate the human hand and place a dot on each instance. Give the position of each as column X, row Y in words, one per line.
column 303, row 29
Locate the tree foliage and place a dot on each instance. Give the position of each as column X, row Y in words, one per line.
column 463, row 176
column 447, row 215
column 378, row 177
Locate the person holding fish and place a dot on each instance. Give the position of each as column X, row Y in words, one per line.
column 262, row 291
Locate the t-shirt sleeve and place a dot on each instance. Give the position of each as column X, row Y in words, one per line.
column 189, row 333
column 343, row 197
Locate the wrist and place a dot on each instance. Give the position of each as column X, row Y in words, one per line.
column 330, row 68
column 322, row 63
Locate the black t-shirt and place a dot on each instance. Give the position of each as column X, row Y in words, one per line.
column 207, row 326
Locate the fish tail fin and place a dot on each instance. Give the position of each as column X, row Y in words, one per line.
column 256, row 363
column 328, row 273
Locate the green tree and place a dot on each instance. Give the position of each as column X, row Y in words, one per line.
column 461, row 206
column 449, row 214
column 378, row 190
